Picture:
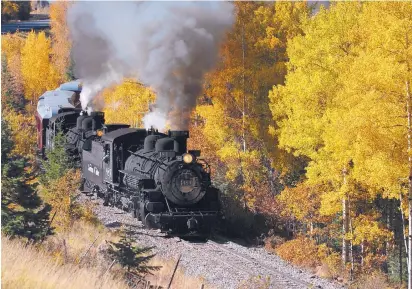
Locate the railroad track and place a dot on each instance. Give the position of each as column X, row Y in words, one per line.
column 221, row 262
column 250, row 266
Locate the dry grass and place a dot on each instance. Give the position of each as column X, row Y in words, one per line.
column 375, row 280
column 26, row 267
column 180, row 280
column 74, row 259
column 82, row 243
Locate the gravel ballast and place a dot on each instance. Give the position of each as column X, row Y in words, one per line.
column 222, row 264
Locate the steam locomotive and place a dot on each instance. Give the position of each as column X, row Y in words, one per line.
column 145, row 172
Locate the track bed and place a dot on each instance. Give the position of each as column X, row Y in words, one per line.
column 221, row 262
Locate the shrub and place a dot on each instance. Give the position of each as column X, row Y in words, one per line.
column 61, row 194
column 23, row 132
column 272, row 242
column 301, row 251
column 334, row 264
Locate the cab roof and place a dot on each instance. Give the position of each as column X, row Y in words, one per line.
column 51, row 101
column 125, row 133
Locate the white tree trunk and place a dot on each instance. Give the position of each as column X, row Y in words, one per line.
column 345, row 223
column 405, row 237
column 408, row 108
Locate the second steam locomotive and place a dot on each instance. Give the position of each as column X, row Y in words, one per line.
column 145, row 172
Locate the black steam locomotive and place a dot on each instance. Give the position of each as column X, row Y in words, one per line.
column 145, row 172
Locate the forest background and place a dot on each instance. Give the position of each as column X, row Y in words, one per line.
column 305, row 122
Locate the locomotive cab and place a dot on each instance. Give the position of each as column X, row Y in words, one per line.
column 101, row 164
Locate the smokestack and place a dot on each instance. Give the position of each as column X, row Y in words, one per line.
column 168, row 46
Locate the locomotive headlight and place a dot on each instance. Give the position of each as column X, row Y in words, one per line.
column 187, row 158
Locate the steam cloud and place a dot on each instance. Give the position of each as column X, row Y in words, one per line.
column 168, row 46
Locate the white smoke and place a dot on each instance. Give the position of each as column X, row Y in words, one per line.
column 169, row 46
column 155, row 119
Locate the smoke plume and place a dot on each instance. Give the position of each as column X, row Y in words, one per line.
column 168, row 46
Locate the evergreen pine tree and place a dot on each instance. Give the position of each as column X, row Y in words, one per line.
column 57, row 162
column 131, row 257
column 6, row 142
column 22, row 211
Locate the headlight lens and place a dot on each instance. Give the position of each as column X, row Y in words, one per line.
column 187, row 158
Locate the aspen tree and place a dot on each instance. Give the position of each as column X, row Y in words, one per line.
column 127, row 102
column 60, row 36
column 38, row 73
column 236, row 115
column 390, row 35
column 303, row 108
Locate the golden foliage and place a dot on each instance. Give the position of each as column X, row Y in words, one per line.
column 11, row 46
column 38, row 72
column 343, row 107
column 369, row 231
column 127, row 102
column 235, row 110
column 61, row 195
column 307, row 211
column 301, row 251
column 87, row 213
column 60, row 36
column 23, row 132
column 331, row 265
